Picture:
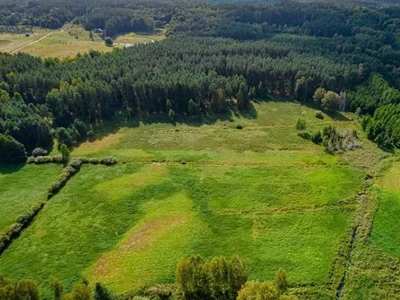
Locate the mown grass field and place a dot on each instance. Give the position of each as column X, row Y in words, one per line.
column 262, row 192
column 12, row 42
column 67, row 42
column 21, row 188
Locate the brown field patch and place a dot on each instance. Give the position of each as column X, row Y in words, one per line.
column 138, row 240
column 107, row 142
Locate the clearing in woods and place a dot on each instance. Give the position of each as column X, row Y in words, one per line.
column 261, row 192
column 68, row 42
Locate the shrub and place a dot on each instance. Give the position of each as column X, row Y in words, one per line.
column 301, row 124
column 30, row 160
column 43, row 160
column 319, row 115
column 217, row 279
column 239, row 126
column 159, row 291
column 108, row 41
column 39, row 152
column 305, row 135
column 94, row 161
column 330, row 102
column 108, row 161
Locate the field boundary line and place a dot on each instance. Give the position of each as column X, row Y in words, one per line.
column 30, row 43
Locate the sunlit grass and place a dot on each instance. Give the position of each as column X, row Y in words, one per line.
column 21, row 188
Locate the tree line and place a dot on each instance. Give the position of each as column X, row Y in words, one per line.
column 345, row 50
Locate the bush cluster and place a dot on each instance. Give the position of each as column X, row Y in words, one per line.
column 15, row 229
column 335, row 141
column 44, row 160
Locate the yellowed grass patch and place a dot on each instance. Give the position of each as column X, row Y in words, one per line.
column 157, row 239
column 148, row 175
column 391, row 180
column 107, row 142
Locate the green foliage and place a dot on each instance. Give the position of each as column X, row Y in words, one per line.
column 65, row 153
column 335, row 141
column 26, row 289
column 384, row 127
column 302, row 88
column 301, row 124
column 319, row 94
column 330, row 102
column 171, row 115
column 253, row 290
column 11, row 151
column 108, row 41
column 373, row 94
column 80, row 291
column 217, row 279
column 319, row 115
column 57, row 288
column 280, row 281
column 102, row 293
column 192, row 108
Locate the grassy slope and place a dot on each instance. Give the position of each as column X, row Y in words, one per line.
column 21, row 188
column 10, row 42
column 261, row 192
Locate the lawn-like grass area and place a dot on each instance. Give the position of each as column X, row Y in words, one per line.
column 10, row 42
column 120, row 224
column 267, row 133
column 196, row 187
column 68, row 42
column 21, row 188
column 385, row 233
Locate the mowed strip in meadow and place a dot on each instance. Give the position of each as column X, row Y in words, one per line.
column 263, row 193
column 21, row 188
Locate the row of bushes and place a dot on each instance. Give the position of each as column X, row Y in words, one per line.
column 73, row 167
column 22, row 221
column 57, row 159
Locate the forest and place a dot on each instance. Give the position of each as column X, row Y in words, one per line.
column 233, row 53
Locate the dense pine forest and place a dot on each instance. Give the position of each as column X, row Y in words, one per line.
column 216, row 57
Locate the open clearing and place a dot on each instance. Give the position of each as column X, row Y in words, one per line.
column 67, row 42
column 21, row 188
column 262, row 192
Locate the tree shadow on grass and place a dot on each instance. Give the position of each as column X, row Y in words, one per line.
column 105, row 128
column 334, row 115
column 11, row 168
column 337, row 116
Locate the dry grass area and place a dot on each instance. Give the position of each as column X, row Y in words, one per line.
column 68, row 42
column 10, row 42
column 105, row 143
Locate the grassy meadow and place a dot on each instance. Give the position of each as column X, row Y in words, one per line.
column 67, row 42
column 21, row 188
column 202, row 187
column 11, row 43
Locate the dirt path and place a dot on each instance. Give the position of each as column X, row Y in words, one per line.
column 31, row 43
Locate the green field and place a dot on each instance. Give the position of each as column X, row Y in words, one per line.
column 67, row 42
column 21, row 188
column 262, row 192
